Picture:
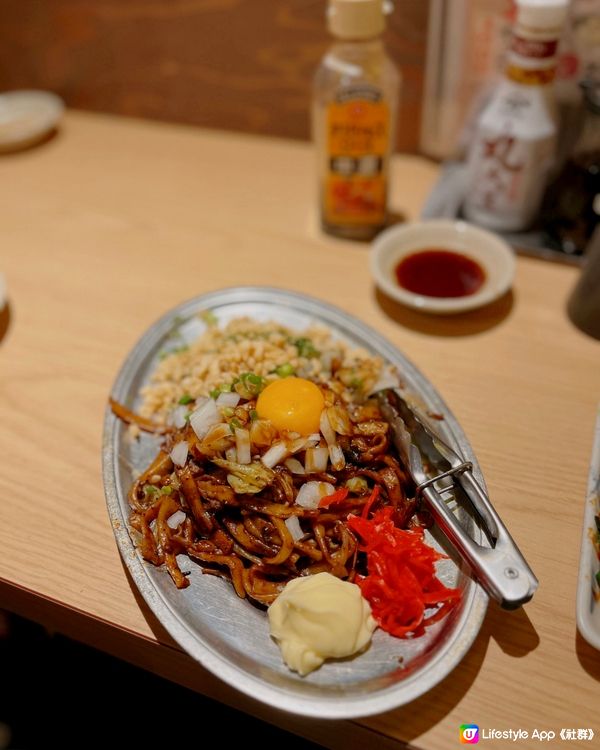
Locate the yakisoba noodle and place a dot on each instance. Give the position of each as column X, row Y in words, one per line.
column 248, row 501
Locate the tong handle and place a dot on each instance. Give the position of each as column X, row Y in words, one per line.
column 502, row 570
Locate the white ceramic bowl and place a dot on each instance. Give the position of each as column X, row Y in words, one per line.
column 487, row 249
column 27, row 116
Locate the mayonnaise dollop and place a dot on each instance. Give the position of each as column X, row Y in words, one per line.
column 318, row 617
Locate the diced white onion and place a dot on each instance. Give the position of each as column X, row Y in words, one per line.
column 179, row 453
column 204, row 417
column 316, row 459
column 311, row 493
column 231, row 399
column 299, row 444
column 231, row 455
column 178, row 416
column 276, row 453
column 336, row 455
column 339, row 420
column 295, row 466
column 218, row 438
column 242, row 445
column 294, row 527
column 335, row 452
column 262, row 433
column 326, row 428
column 176, row 519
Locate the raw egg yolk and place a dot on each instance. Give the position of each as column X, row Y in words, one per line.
column 292, row 404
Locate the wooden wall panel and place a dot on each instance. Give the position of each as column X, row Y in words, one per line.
column 235, row 64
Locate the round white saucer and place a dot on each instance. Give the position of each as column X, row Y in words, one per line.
column 27, row 116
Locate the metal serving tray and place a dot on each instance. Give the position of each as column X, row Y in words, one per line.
column 230, row 636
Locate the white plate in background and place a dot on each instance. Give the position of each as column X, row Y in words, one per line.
column 27, row 116
column 486, row 248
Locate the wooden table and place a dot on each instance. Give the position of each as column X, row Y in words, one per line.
column 113, row 222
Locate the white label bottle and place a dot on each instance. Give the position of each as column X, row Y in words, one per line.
column 515, row 139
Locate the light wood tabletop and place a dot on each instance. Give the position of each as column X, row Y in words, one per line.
column 113, row 222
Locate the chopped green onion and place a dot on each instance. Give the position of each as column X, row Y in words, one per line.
column 227, row 411
column 235, row 424
column 305, row 348
column 285, row 371
column 177, row 350
column 175, row 333
column 208, row 317
column 166, row 490
column 253, row 415
column 250, row 384
column 185, row 399
column 150, row 489
column 223, row 388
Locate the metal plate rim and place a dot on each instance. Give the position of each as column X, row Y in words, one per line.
column 474, row 608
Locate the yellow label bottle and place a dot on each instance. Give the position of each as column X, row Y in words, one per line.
column 354, row 110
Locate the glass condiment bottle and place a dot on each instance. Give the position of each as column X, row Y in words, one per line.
column 515, row 138
column 355, row 96
column 572, row 203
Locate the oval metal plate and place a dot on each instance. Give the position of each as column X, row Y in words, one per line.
column 230, row 636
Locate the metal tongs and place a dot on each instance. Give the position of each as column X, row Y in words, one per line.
column 436, row 469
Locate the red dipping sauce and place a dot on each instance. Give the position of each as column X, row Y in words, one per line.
column 435, row 272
